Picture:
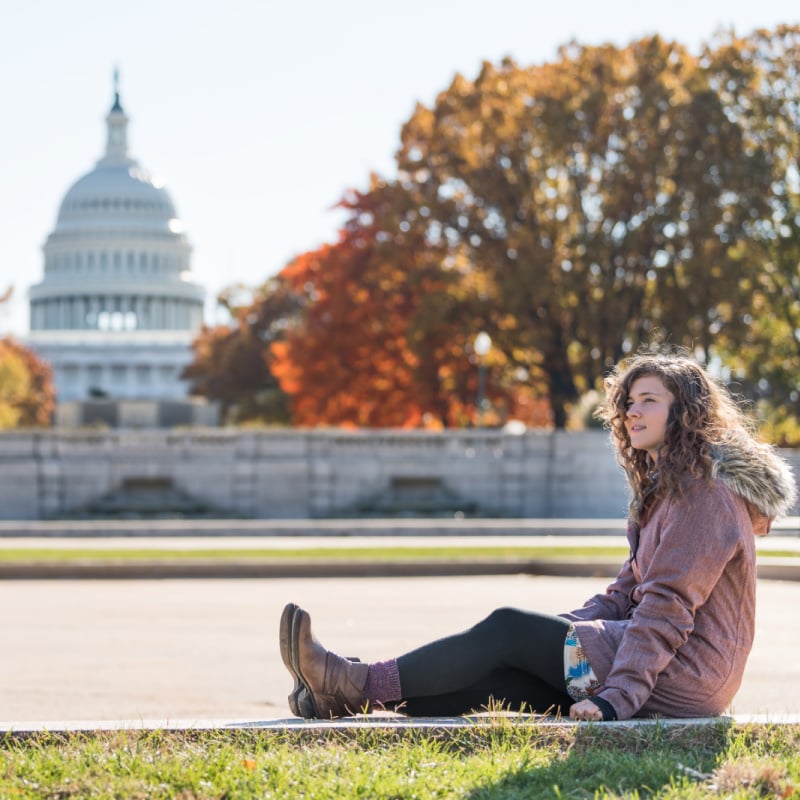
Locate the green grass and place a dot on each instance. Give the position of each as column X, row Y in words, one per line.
column 389, row 553
column 506, row 760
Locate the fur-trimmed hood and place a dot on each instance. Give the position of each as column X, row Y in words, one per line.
column 755, row 472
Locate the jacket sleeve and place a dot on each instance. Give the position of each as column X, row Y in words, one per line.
column 614, row 603
column 699, row 535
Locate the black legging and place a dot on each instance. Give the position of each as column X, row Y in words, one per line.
column 513, row 657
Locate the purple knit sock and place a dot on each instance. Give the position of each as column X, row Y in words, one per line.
column 383, row 682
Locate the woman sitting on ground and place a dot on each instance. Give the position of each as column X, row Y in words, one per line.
column 671, row 634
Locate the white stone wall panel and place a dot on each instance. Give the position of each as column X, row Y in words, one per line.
column 310, row 474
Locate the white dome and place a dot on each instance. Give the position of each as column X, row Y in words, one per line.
column 121, row 196
column 117, row 198
column 118, row 258
column 117, row 308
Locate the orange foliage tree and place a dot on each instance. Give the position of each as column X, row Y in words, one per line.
column 232, row 363
column 346, row 360
column 385, row 335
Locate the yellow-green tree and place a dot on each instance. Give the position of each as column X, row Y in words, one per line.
column 757, row 77
column 27, row 395
column 14, row 386
column 594, row 199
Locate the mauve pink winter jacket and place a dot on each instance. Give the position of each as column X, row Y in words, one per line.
column 672, row 633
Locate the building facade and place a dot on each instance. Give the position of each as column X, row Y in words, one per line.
column 117, row 309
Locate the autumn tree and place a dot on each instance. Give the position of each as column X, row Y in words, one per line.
column 385, row 334
column 757, row 77
column 573, row 210
column 596, row 198
column 231, row 363
column 27, row 394
column 346, row 359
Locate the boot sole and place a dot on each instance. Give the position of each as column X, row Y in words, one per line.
column 294, row 658
column 301, row 703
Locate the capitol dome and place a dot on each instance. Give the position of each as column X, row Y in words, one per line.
column 117, row 195
column 117, row 309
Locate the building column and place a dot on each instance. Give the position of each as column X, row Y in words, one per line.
column 74, row 320
column 94, row 310
column 138, row 309
column 80, row 313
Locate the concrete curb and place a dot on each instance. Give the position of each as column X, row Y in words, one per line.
column 110, row 570
column 784, row 569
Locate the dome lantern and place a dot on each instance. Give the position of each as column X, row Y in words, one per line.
column 117, row 139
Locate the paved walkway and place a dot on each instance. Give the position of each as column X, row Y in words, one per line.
column 186, row 651
column 296, row 528
column 778, row 541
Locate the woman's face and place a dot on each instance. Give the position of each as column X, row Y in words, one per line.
column 646, row 415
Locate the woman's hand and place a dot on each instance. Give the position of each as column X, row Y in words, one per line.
column 585, row 710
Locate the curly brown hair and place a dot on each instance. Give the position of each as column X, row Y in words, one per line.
column 702, row 416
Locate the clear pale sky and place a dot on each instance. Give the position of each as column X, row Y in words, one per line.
column 258, row 114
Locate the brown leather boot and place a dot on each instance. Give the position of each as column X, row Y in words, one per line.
column 335, row 684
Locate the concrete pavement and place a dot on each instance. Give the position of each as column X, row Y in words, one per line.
column 194, row 650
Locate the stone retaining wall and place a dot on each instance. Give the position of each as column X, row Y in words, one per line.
column 314, row 474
